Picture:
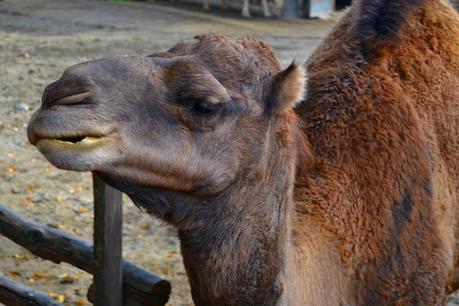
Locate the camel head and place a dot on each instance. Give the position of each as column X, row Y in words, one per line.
column 190, row 119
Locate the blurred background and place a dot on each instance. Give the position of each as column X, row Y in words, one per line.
column 40, row 39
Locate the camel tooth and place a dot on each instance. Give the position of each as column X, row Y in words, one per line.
column 89, row 139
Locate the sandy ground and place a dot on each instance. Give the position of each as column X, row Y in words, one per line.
column 38, row 40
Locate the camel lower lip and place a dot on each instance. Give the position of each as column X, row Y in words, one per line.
column 83, row 153
column 87, row 143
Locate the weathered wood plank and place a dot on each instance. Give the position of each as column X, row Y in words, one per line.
column 16, row 294
column 58, row 246
column 107, row 244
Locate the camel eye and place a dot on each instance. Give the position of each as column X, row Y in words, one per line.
column 204, row 108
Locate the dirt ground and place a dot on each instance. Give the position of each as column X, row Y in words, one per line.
column 38, row 40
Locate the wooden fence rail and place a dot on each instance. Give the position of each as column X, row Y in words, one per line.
column 19, row 295
column 138, row 286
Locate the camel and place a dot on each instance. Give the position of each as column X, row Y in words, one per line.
column 330, row 185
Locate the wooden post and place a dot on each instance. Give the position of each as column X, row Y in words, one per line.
column 107, row 244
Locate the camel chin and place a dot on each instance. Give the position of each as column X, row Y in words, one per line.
column 84, row 153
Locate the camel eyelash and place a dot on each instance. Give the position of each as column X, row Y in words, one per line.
column 203, row 106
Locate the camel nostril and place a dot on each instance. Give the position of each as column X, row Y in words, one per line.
column 78, row 98
column 68, row 90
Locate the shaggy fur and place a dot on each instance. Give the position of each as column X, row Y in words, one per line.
column 384, row 133
column 381, row 18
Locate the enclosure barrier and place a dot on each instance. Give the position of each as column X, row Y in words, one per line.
column 116, row 281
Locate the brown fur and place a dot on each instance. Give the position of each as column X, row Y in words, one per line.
column 349, row 198
column 383, row 128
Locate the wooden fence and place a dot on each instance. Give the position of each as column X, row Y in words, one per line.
column 116, row 282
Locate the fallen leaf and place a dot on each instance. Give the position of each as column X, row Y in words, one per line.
column 66, row 278
column 14, row 274
column 81, row 302
column 60, row 298
column 77, row 275
column 145, row 226
column 40, row 275
column 83, row 210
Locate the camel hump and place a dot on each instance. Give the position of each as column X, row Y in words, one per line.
column 382, row 18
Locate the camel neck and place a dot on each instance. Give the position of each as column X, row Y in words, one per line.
column 238, row 257
column 234, row 244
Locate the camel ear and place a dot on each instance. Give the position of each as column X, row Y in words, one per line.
column 287, row 88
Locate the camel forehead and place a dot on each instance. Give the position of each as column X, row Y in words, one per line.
column 220, row 54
